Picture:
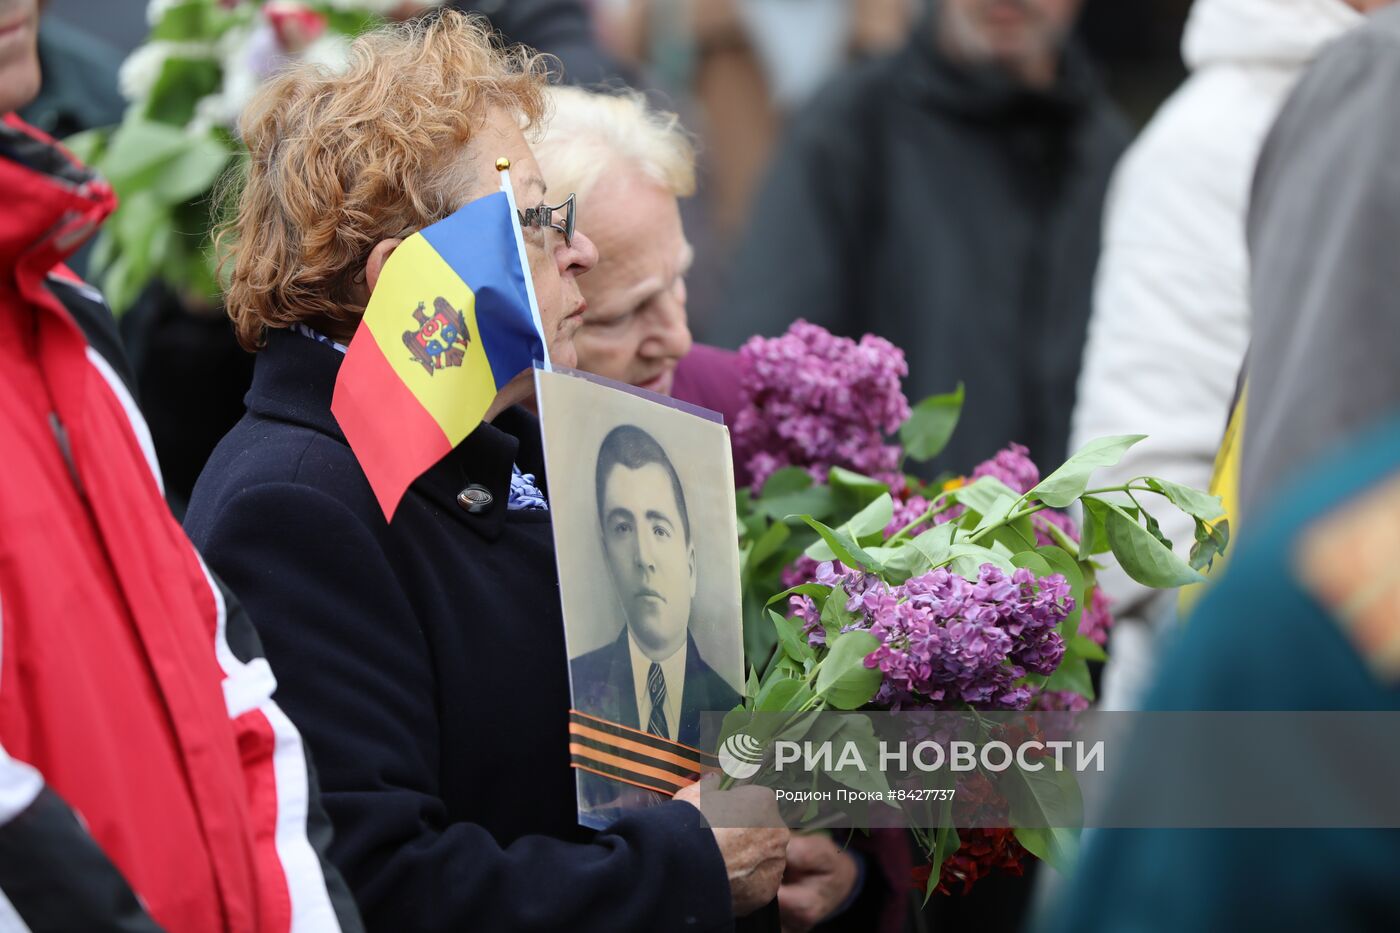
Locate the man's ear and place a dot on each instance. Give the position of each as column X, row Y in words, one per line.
column 377, row 258
column 690, row 555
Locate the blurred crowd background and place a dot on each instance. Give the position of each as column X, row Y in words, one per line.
column 736, row 70
column 741, row 74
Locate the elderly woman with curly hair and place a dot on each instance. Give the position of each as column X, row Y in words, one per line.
column 423, row 658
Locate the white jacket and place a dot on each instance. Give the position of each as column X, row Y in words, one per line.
column 1171, row 306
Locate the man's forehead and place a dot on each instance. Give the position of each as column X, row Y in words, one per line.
column 647, row 482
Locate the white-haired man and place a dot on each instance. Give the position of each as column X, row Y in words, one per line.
column 628, row 165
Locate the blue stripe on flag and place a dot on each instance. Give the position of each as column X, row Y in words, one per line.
column 478, row 242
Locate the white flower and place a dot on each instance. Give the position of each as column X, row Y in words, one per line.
column 330, row 51
column 210, row 111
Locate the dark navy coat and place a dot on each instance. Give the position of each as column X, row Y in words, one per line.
column 424, row 662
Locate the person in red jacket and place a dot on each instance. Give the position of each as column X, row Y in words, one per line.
column 147, row 779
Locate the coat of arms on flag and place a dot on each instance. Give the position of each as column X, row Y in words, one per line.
column 434, row 343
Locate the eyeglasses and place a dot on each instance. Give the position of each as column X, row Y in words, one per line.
column 543, row 216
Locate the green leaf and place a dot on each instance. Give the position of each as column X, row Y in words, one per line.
column 816, row 501
column 138, row 150
column 960, row 557
column 1062, row 540
column 1062, row 563
column 858, row 731
column 1068, row 483
column 162, row 160
column 782, row 694
column 900, row 563
column 1193, row 502
column 1154, row 529
column 759, row 638
column 1017, row 536
column 138, row 222
column 870, row 522
column 352, row 22
column 1210, row 543
column 1045, row 798
column 839, row 546
column 736, row 720
column 791, row 638
column 844, row 681
column 946, row 842
column 862, row 488
column 786, row 481
column 88, row 145
column 1033, row 562
column 1073, row 675
column 985, row 495
column 817, row 591
column 193, row 21
column 1059, row 847
column 768, row 544
column 182, row 82
column 751, row 687
column 1086, row 648
column 835, row 616
column 930, row 424
column 119, row 285
column 1142, row 556
column 1093, row 539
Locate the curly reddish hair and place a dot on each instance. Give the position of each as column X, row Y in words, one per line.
column 339, row 160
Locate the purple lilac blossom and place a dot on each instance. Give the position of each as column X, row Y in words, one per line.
column 815, row 401
column 946, row 641
column 1013, row 466
column 1059, row 701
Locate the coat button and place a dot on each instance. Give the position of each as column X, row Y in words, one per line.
column 476, row 499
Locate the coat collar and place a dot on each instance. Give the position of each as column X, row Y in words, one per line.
column 53, row 203
column 294, row 379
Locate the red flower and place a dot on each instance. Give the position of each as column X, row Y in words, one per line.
column 296, row 25
column 982, row 852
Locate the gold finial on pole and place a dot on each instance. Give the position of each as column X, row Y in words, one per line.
column 503, row 164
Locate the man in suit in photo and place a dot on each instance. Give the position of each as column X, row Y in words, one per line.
column 651, row 677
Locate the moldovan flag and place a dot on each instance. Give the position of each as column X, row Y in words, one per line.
column 450, row 322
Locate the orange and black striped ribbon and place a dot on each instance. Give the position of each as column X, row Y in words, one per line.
column 634, row 757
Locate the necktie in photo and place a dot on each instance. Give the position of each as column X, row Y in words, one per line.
column 656, row 689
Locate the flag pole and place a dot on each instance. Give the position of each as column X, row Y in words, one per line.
column 503, row 166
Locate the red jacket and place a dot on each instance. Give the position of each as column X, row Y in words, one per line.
column 132, row 690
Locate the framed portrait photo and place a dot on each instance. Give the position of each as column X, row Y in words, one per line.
column 642, row 496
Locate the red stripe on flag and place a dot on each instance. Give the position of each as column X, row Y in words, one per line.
column 393, row 436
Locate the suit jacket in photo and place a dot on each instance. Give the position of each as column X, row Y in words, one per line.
column 604, row 686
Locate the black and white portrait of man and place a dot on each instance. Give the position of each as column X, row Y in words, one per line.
column 646, row 537
column 642, row 503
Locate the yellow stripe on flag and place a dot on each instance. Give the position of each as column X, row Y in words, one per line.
column 457, row 389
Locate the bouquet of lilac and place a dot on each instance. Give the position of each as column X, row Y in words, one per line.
column 971, row 592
